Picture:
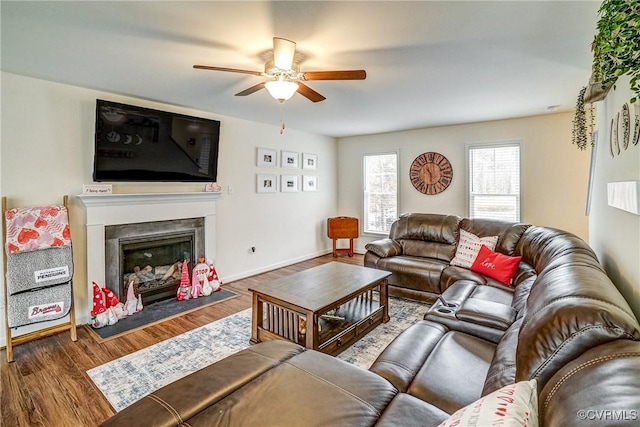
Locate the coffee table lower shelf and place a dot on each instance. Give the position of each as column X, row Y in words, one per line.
column 357, row 318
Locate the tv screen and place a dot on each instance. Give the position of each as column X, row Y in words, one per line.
column 141, row 144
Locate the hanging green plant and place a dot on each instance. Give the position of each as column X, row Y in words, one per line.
column 581, row 132
column 616, row 45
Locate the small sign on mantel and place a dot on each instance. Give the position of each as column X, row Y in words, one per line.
column 97, row 189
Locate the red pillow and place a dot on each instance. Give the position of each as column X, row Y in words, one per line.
column 492, row 264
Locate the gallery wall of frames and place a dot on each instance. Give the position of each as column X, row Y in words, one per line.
column 297, row 171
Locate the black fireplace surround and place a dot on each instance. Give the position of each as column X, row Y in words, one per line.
column 148, row 250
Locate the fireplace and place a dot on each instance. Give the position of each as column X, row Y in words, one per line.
column 150, row 254
column 140, row 219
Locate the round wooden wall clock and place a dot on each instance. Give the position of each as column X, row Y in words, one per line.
column 431, row 173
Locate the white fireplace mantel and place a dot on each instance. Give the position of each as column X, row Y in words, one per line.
column 114, row 209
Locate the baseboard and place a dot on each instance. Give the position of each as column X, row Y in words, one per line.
column 275, row 266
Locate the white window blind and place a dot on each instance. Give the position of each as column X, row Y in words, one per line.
column 494, row 181
column 380, row 192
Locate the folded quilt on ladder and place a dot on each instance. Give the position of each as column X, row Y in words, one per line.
column 38, row 269
column 39, row 285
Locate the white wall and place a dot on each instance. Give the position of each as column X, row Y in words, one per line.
column 554, row 175
column 614, row 233
column 47, row 152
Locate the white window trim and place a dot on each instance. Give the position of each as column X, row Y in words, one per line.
column 509, row 143
column 362, row 187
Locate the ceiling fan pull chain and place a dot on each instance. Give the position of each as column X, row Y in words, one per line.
column 281, row 118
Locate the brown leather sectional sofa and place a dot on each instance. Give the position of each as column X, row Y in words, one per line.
column 562, row 323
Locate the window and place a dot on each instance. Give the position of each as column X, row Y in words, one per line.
column 494, row 181
column 380, row 192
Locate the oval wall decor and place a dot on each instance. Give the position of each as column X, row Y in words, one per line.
column 636, row 127
column 431, row 173
column 611, row 136
column 617, row 134
column 626, row 126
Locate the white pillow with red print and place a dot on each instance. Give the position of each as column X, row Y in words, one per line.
column 469, row 246
column 514, row 405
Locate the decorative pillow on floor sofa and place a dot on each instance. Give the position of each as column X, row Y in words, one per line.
column 468, row 247
column 492, row 264
column 513, row 405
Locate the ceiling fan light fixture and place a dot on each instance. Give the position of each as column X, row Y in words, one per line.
column 281, row 90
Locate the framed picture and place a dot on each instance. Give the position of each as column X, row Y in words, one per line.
column 289, row 183
column 290, row 159
column 309, row 183
column 266, row 183
column 309, row 161
column 267, row 157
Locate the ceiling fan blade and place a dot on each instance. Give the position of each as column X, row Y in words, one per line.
column 251, row 90
column 232, row 70
column 283, row 52
column 309, row 93
column 335, row 75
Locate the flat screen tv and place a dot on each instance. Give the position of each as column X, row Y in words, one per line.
column 140, row 144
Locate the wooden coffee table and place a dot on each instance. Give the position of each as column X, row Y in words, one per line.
column 325, row 308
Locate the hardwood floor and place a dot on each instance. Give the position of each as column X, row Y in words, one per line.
column 47, row 385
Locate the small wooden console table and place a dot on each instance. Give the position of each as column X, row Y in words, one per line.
column 325, row 308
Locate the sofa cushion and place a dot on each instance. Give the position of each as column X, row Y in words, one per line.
column 520, row 295
column 427, row 235
column 514, row 405
column 453, row 375
column 508, row 233
column 501, row 267
column 503, row 364
column 400, row 361
column 408, row 411
column 453, row 274
column 442, row 367
column 468, row 247
column 500, row 295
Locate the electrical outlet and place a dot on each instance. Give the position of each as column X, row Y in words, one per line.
column 230, row 189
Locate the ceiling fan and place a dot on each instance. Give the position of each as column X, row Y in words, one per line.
column 283, row 76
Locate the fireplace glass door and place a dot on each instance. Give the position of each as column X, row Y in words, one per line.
column 155, row 265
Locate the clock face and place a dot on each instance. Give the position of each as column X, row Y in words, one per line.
column 431, row 173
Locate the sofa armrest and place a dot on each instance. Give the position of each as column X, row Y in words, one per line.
column 384, row 248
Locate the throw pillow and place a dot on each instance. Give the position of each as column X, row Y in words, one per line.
column 492, row 264
column 513, row 405
column 468, row 247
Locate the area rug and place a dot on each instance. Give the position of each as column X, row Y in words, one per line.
column 158, row 312
column 125, row 380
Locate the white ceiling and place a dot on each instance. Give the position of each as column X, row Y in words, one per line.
column 427, row 63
